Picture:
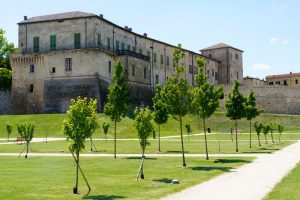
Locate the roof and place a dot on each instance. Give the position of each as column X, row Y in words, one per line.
column 249, row 77
column 220, row 46
column 283, row 75
column 59, row 16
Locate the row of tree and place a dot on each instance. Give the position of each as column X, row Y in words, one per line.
column 268, row 128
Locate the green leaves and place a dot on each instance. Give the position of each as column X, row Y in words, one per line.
column 160, row 112
column 251, row 111
column 258, row 127
column 280, row 128
column 235, row 104
column 144, row 126
column 105, row 127
column 26, row 130
column 6, row 49
column 5, row 79
column 80, row 122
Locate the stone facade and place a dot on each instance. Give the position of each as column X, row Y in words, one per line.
column 62, row 51
column 4, row 102
column 291, row 79
column 253, row 82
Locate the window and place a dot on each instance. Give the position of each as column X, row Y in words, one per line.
column 161, row 59
column 296, row 81
column 207, row 73
column 154, row 57
column 108, row 43
column 236, row 56
column 52, row 42
column 285, row 82
column 77, row 41
column 277, row 82
column 271, row 83
column 191, row 69
column 36, row 44
column 216, row 76
column 31, row 88
column 156, row 79
column 168, row 61
column 109, row 66
column 212, row 72
column 133, row 70
column 99, row 40
column 141, row 51
column 123, row 46
column 53, row 70
column 145, row 73
column 148, row 53
column 134, row 49
column 68, row 63
column 237, row 75
column 117, row 45
column 31, row 68
column 128, row 47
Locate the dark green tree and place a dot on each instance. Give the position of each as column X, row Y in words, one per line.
column 9, row 129
column 26, row 131
column 188, row 129
column 105, row 127
column 280, row 130
column 251, row 111
column 266, row 129
column 258, row 128
column 205, row 99
column 176, row 94
column 235, row 108
column 160, row 112
column 6, row 49
column 5, row 79
column 79, row 124
column 117, row 106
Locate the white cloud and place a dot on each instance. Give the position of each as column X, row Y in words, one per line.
column 261, row 67
column 275, row 41
column 285, row 41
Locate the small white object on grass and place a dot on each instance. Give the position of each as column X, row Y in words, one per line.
column 174, row 181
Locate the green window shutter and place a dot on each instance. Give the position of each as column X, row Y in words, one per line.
column 36, row 44
column 52, row 42
column 77, row 41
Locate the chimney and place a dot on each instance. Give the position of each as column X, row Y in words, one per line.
column 145, row 34
column 25, row 17
column 130, row 29
column 126, row 27
column 101, row 15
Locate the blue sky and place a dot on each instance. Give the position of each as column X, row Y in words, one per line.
column 268, row 31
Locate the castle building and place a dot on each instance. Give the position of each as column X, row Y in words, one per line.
column 253, row 82
column 291, row 79
column 62, row 56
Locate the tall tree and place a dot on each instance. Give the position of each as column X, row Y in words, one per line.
column 205, row 100
column 143, row 124
column 6, row 49
column 79, row 124
column 235, row 108
column 118, row 99
column 177, row 94
column 251, row 111
column 26, row 131
column 5, row 79
column 160, row 112
column 258, row 128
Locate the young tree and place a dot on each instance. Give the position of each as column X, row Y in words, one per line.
column 6, row 49
column 273, row 126
column 118, row 99
column 79, row 124
column 205, row 99
column 26, row 131
column 280, row 130
column 266, row 130
column 105, row 127
column 160, row 112
column 188, row 129
column 235, row 108
column 9, row 130
column 177, row 94
column 251, row 111
column 258, row 128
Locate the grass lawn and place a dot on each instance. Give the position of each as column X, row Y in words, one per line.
column 288, row 188
column 54, row 177
column 52, row 124
column 167, row 146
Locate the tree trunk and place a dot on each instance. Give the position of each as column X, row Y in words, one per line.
column 115, row 140
column 206, row 149
column 142, row 169
column 159, row 137
column 75, row 189
column 258, row 140
column 266, row 140
column 272, row 136
column 250, row 135
column 231, row 133
column 182, row 147
column 26, row 148
column 91, row 143
column 279, row 137
column 236, row 137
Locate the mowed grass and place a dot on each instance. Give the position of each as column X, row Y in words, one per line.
column 169, row 146
column 288, row 188
column 54, row 177
column 52, row 124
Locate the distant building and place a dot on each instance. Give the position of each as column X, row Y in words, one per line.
column 72, row 54
column 291, row 79
column 253, row 82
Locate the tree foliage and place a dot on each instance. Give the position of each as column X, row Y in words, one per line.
column 117, row 105
column 9, row 129
column 5, row 79
column 258, row 128
column 266, row 129
column 6, row 49
column 280, row 130
column 26, row 131
column 105, row 127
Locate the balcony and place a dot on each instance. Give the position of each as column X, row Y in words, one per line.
column 133, row 54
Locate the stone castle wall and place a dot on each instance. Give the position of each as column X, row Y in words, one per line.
column 4, row 102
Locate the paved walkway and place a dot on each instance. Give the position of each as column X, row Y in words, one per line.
column 249, row 182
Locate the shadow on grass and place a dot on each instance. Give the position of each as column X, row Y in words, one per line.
column 163, row 180
column 103, row 197
column 176, row 152
column 250, row 152
column 139, row 158
column 231, row 161
column 224, row 169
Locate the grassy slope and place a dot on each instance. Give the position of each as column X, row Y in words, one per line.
column 37, row 178
column 52, row 123
column 288, row 188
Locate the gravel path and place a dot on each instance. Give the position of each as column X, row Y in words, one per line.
column 250, row 182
